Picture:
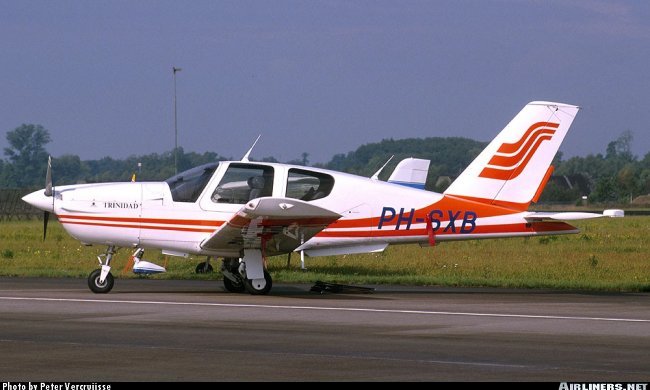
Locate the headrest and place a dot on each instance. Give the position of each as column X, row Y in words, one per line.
column 256, row 182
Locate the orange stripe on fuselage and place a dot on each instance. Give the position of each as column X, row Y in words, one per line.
column 534, row 227
column 497, row 203
column 482, row 207
column 148, row 227
column 198, row 222
column 448, row 203
column 239, row 221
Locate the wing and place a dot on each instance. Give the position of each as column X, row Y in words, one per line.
column 279, row 225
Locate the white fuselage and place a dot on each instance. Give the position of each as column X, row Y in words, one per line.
column 373, row 213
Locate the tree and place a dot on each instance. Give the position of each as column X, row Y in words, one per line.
column 67, row 169
column 4, row 174
column 606, row 190
column 621, row 147
column 27, row 154
column 303, row 160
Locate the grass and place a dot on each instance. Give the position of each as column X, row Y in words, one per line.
column 609, row 254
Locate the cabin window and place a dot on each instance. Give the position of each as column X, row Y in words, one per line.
column 244, row 182
column 308, row 185
column 188, row 185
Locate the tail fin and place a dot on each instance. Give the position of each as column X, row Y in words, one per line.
column 411, row 172
column 514, row 167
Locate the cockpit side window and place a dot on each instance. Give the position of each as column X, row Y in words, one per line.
column 308, row 185
column 244, row 182
column 188, row 185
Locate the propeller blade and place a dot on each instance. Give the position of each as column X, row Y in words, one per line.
column 48, row 192
column 48, row 177
column 46, row 217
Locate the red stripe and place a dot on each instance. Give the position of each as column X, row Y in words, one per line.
column 511, row 161
column 538, row 227
column 511, row 148
column 510, row 174
column 239, row 221
column 512, row 207
column 454, row 203
column 197, row 222
column 180, row 229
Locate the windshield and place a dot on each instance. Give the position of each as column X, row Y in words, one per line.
column 188, row 185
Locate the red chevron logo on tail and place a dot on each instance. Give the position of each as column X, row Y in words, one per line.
column 511, row 158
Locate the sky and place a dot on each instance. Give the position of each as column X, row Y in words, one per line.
column 317, row 77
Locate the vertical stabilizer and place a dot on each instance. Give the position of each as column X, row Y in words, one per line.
column 411, row 172
column 513, row 167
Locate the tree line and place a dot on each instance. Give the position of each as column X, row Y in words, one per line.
column 615, row 176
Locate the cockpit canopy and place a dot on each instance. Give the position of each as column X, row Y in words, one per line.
column 244, row 181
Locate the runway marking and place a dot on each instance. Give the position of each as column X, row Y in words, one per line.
column 326, row 308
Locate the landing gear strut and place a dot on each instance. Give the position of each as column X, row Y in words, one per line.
column 232, row 280
column 204, row 267
column 236, row 273
column 101, row 280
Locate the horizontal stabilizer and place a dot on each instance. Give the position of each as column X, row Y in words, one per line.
column 571, row 216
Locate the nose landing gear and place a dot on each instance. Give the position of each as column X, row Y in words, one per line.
column 100, row 281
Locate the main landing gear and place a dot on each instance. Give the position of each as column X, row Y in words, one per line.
column 240, row 274
column 246, row 274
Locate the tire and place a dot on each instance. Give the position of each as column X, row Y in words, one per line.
column 98, row 288
column 233, row 287
column 201, row 268
column 259, row 290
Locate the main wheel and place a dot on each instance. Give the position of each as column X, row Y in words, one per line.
column 259, row 287
column 96, row 286
column 203, row 268
column 233, row 287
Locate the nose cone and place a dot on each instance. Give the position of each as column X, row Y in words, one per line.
column 39, row 200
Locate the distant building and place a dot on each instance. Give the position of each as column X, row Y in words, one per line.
column 643, row 200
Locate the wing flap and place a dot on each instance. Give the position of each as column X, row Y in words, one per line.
column 279, row 225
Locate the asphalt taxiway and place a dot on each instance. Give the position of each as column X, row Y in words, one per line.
column 158, row 330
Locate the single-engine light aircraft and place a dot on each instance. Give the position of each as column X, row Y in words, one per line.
column 243, row 211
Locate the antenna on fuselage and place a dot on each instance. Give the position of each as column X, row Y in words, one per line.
column 245, row 158
column 376, row 175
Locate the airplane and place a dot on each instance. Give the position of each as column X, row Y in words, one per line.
column 243, row 211
column 410, row 172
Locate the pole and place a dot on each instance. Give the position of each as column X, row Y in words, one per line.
column 174, row 70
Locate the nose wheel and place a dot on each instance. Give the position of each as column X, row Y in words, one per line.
column 96, row 285
column 100, row 281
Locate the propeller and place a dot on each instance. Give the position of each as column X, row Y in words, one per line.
column 48, row 192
